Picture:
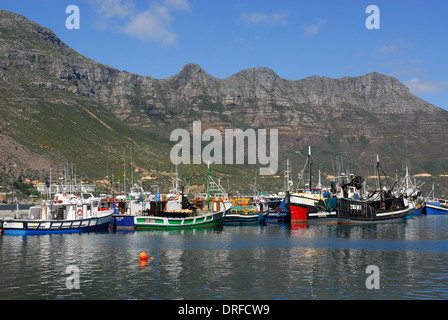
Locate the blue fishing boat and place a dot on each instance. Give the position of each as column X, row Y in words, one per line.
column 277, row 211
column 127, row 207
column 419, row 208
column 434, row 206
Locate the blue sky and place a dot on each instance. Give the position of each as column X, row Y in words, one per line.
column 295, row 38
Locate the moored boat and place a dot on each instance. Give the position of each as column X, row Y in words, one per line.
column 127, row 207
column 379, row 207
column 420, row 208
column 277, row 211
column 247, row 210
column 435, row 206
column 312, row 204
column 180, row 220
column 359, row 211
column 64, row 214
column 312, row 207
column 175, row 211
column 412, row 193
column 246, row 213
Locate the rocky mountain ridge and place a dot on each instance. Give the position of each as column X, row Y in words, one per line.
column 357, row 117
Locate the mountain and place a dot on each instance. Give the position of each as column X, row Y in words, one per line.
column 60, row 107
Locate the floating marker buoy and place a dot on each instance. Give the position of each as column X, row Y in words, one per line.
column 143, row 256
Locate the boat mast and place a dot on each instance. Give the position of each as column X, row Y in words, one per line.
column 379, row 179
column 208, row 185
column 287, row 176
column 177, row 181
column 124, row 173
column 309, row 159
column 378, row 171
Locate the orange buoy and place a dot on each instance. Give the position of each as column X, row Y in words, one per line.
column 143, row 256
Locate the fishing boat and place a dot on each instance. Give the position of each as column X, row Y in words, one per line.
column 245, row 215
column 435, row 206
column 308, row 206
column 66, row 213
column 381, row 205
column 175, row 211
column 311, row 204
column 127, row 207
column 170, row 214
column 277, row 211
column 251, row 211
column 420, row 208
column 412, row 192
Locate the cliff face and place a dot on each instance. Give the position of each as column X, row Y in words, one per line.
column 355, row 116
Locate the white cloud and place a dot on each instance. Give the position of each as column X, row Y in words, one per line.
column 148, row 25
column 112, row 8
column 151, row 24
column 313, row 29
column 178, row 4
column 420, row 85
column 274, row 18
column 394, row 48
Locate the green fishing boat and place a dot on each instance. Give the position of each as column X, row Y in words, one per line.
column 175, row 211
column 201, row 220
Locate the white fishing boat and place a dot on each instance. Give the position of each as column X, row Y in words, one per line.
column 66, row 213
column 412, row 192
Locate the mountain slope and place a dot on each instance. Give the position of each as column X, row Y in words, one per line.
column 58, row 106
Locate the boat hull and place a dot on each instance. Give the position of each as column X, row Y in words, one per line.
column 122, row 222
column 306, row 209
column 245, row 218
column 419, row 209
column 435, row 208
column 23, row 227
column 167, row 223
column 359, row 212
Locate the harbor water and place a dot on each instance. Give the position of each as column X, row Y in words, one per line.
column 274, row 261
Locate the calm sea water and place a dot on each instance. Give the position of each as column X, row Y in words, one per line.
column 254, row 262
